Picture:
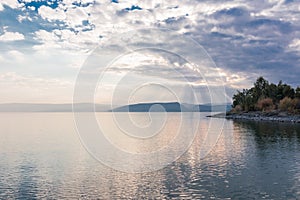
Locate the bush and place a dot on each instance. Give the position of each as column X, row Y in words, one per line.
column 265, row 105
column 287, row 104
column 296, row 104
column 237, row 109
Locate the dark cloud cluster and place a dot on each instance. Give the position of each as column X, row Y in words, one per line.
column 249, row 37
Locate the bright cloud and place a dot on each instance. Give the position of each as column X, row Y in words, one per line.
column 11, row 36
column 51, row 14
column 10, row 3
column 295, row 45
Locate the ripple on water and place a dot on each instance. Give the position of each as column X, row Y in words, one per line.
column 253, row 160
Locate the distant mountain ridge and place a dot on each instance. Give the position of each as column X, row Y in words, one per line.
column 88, row 107
column 171, row 107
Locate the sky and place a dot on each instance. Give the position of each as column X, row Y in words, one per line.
column 45, row 44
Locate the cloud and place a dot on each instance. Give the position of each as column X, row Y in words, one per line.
column 244, row 38
column 11, row 36
column 65, row 40
column 10, row 3
column 20, row 88
column 14, row 56
column 295, row 45
column 31, row 81
column 239, row 35
column 51, row 14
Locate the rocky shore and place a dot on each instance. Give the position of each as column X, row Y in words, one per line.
column 261, row 116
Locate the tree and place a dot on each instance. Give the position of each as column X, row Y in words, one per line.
column 297, row 92
column 264, row 96
column 260, row 88
column 272, row 91
column 239, row 99
column 284, row 90
column 244, row 99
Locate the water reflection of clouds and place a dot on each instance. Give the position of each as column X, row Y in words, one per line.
column 47, row 160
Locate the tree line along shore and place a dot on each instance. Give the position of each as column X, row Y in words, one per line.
column 267, row 102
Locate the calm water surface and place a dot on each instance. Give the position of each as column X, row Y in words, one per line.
column 41, row 157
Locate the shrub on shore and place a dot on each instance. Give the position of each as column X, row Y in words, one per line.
column 296, row 105
column 265, row 105
column 286, row 104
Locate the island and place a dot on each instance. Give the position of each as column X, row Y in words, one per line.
column 266, row 102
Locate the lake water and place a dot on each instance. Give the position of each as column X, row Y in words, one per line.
column 41, row 156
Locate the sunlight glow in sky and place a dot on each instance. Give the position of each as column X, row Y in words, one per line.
column 44, row 43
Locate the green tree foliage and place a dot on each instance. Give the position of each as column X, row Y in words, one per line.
column 260, row 88
column 297, row 93
column 265, row 96
column 244, row 99
column 272, row 91
column 284, row 90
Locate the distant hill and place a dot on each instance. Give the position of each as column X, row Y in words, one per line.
column 145, row 107
column 171, row 107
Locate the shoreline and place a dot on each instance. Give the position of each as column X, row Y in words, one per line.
column 260, row 116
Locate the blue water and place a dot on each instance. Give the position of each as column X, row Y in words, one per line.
column 41, row 156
